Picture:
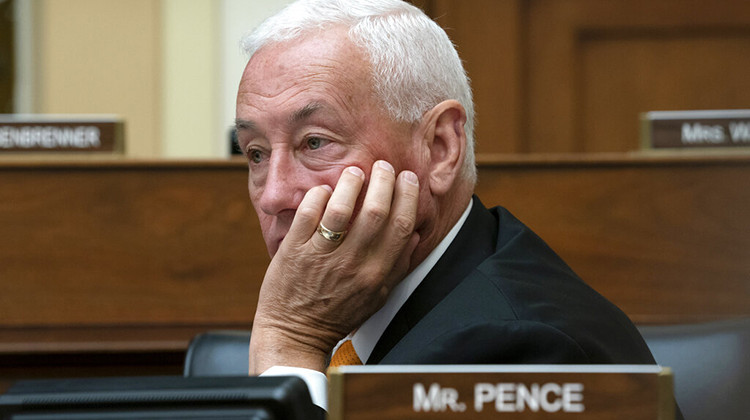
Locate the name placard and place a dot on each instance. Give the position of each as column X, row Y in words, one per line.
column 695, row 129
column 511, row 391
column 46, row 133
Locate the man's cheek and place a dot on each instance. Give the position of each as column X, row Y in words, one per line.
column 266, row 227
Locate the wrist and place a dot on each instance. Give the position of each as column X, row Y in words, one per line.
column 272, row 347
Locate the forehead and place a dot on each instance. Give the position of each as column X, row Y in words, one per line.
column 324, row 62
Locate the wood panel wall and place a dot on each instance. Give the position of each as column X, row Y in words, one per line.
column 573, row 76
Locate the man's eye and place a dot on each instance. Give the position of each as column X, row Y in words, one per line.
column 314, row 143
column 255, row 155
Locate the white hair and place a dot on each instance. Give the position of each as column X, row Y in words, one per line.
column 415, row 66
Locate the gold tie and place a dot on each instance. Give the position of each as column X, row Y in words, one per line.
column 345, row 355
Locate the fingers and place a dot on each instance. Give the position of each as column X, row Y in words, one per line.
column 384, row 228
column 341, row 205
column 390, row 206
column 400, row 232
column 386, row 218
column 376, row 207
column 404, row 209
column 308, row 215
column 338, row 212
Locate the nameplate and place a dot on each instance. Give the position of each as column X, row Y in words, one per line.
column 42, row 133
column 696, row 129
column 511, row 391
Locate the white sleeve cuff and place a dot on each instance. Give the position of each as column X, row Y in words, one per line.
column 316, row 382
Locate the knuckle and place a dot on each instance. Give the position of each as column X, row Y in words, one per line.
column 307, row 213
column 402, row 225
column 320, row 247
column 339, row 213
column 375, row 213
column 348, row 272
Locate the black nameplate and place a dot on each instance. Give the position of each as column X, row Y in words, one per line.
column 40, row 133
column 696, row 129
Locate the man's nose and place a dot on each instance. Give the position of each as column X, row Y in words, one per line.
column 284, row 187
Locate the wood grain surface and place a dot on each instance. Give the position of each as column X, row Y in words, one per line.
column 165, row 244
column 572, row 76
column 370, row 394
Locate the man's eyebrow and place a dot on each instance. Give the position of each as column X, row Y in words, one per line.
column 304, row 112
column 241, row 124
column 294, row 118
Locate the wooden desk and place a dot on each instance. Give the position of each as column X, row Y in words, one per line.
column 111, row 267
column 119, row 263
column 665, row 237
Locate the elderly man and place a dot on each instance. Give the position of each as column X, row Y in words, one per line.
column 356, row 119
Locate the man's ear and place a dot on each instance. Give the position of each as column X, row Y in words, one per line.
column 446, row 140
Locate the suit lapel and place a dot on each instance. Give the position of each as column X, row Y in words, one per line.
column 473, row 244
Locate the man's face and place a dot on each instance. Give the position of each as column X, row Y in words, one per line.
column 306, row 111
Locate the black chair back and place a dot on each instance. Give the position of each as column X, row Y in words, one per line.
column 711, row 366
column 218, row 353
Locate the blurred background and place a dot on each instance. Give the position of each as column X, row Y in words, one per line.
column 169, row 68
column 550, row 76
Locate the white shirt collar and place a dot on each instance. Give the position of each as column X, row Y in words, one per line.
column 368, row 334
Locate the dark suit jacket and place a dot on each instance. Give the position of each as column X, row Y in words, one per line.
column 500, row 295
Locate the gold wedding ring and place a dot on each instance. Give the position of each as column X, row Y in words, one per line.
column 329, row 234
